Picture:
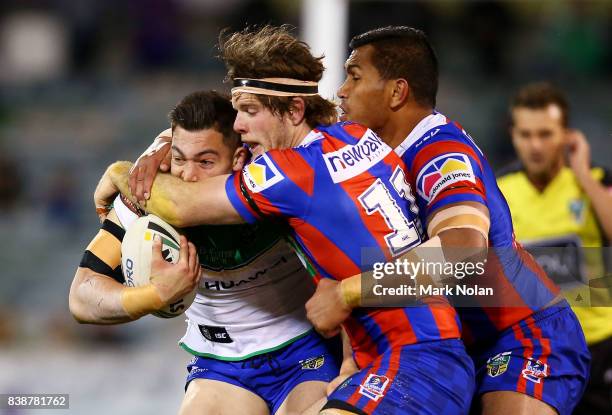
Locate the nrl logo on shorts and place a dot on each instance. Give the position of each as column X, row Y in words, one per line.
column 374, row 386
column 535, row 370
column 313, row 363
column 498, row 364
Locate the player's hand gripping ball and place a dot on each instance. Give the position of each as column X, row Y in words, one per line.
column 137, row 252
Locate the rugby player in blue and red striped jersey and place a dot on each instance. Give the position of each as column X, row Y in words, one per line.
column 341, row 190
column 527, row 345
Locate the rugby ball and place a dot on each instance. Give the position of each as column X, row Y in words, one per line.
column 137, row 251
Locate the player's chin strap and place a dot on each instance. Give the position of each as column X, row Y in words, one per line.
column 280, row 87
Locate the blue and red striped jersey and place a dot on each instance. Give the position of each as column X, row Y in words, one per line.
column 344, row 192
column 447, row 167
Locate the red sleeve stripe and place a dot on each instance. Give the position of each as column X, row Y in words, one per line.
column 295, row 168
column 460, row 188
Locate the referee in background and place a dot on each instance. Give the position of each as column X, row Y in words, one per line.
column 561, row 208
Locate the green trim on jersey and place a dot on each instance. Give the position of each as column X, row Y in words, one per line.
column 301, row 255
column 237, row 359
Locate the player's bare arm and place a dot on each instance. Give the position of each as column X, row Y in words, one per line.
column 181, row 203
column 97, row 298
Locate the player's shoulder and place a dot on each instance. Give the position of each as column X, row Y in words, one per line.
column 343, row 129
column 432, row 131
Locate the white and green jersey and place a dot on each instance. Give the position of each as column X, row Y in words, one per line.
column 252, row 292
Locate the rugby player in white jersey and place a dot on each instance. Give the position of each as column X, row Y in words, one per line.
column 254, row 350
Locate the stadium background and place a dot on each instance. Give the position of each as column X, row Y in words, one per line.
column 84, row 83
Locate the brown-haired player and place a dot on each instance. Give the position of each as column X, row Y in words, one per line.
column 342, row 191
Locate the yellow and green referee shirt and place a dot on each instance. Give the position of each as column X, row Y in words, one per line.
column 561, row 216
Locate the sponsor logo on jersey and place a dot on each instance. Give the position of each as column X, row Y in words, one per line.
column 352, row 160
column 215, row 334
column 374, row 386
column 313, row 363
column 535, row 370
column 208, row 283
column 498, row 364
column 443, row 171
column 261, row 174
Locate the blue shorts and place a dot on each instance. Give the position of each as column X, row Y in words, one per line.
column 544, row 356
column 273, row 375
column 435, row 378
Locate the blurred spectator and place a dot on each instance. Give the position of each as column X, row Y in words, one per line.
column 61, row 204
column 560, row 202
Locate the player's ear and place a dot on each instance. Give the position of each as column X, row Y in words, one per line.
column 297, row 109
column 400, row 92
column 239, row 159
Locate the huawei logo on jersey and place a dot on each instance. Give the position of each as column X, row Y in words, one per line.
column 352, row 160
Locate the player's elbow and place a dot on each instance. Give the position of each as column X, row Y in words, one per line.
column 78, row 310
column 464, row 244
column 77, row 306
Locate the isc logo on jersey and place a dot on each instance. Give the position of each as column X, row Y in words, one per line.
column 352, row 160
column 442, row 172
column 261, row 173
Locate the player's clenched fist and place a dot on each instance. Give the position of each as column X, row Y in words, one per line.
column 174, row 281
column 327, row 308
